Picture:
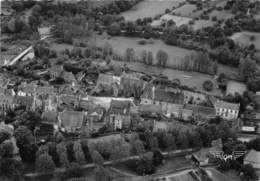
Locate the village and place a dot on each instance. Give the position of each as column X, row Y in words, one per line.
column 94, row 110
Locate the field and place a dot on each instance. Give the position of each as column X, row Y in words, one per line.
column 216, row 175
column 187, row 10
column 246, row 38
column 177, row 19
column 233, row 87
column 148, row 8
column 120, row 44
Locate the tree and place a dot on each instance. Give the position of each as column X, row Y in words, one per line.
column 144, row 56
column 157, row 157
column 25, row 143
column 145, row 164
column 114, row 29
column 101, row 174
column 97, row 158
column 208, row 85
column 107, row 49
column 130, row 55
column 149, row 58
column 44, row 163
column 6, row 149
column 162, row 58
column 247, row 68
column 254, row 144
column 10, row 168
column 4, row 135
column 79, row 154
column 249, row 172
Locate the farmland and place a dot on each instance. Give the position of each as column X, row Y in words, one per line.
column 246, row 38
column 148, row 8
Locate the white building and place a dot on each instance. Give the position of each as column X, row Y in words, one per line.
column 227, row 110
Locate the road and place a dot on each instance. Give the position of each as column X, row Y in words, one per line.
column 23, row 53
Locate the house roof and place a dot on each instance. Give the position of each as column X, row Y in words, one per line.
column 46, row 90
column 56, row 68
column 202, row 110
column 68, row 76
column 23, row 100
column 162, row 95
column 28, row 88
column 108, row 78
column 227, row 105
column 119, row 107
column 71, row 119
column 151, row 108
column 253, row 156
column 68, row 99
column 50, row 117
column 6, row 99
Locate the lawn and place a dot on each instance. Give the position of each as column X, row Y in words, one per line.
column 246, row 38
column 148, row 8
column 179, row 20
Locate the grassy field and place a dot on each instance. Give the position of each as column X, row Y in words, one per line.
column 233, row 87
column 120, row 44
column 246, row 38
column 187, row 10
column 148, row 8
column 216, row 175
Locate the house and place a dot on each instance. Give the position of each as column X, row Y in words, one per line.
column 227, row 110
column 7, row 102
column 166, row 99
column 71, row 121
column 119, row 114
column 86, row 105
column 68, row 100
column 201, row 112
column 108, row 82
column 56, row 71
column 26, row 89
column 69, row 77
column 49, row 120
column 132, row 80
column 253, row 158
column 25, row 101
column 51, row 103
column 46, row 90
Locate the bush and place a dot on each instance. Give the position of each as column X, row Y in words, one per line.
column 142, row 42
column 208, row 85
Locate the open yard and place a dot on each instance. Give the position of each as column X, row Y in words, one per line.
column 246, row 38
column 148, row 8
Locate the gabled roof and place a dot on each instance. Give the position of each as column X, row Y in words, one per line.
column 24, row 100
column 162, row 95
column 46, row 90
column 68, row 76
column 50, row 117
column 6, row 99
column 202, row 110
column 71, row 119
column 108, row 78
column 253, row 156
column 120, row 107
column 150, row 108
column 56, row 68
column 227, row 105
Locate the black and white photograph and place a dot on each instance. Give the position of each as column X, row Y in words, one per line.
column 130, row 90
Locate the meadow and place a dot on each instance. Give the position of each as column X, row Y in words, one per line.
column 246, row 38
column 149, row 8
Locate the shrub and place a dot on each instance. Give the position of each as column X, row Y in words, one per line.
column 208, row 85
column 142, row 42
